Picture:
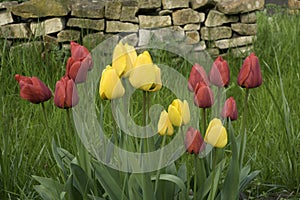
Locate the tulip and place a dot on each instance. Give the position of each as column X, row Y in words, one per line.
column 193, row 141
column 145, row 75
column 197, row 75
column 164, row 124
column 33, row 89
column 203, row 96
column 229, row 110
column 79, row 52
column 216, row 134
column 179, row 112
column 219, row 74
column 65, row 95
column 250, row 74
column 124, row 57
column 110, row 84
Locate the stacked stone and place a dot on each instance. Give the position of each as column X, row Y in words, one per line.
column 212, row 25
column 294, row 6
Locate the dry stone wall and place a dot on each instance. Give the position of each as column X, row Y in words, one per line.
column 213, row 25
column 294, row 6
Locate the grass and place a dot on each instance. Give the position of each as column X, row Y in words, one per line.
column 273, row 144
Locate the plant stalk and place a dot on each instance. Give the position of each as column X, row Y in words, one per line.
column 244, row 129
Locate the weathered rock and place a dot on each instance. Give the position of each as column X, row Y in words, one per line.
column 48, row 26
column 214, row 52
column 171, row 4
column 7, row 4
column 187, row 16
column 15, row 31
column 244, row 29
column 128, row 14
column 199, row 3
column 27, row 47
column 294, row 4
column 235, row 42
column 248, row 17
column 68, row 35
column 165, row 12
column 293, row 12
column 149, row 4
column 92, row 40
column 216, row 18
column 116, row 26
column 50, row 42
column 144, row 37
column 191, row 27
column 131, row 39
column 192, row 37
column 42, row 8
column 154, row 21
column 215, row 33
column 113, row 10
column 240, row 6
column 242, row 51
column 5, row 18
column 201, row 46
column 95, row 24
column 88, row 9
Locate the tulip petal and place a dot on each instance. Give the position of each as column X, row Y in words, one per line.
column 164, row 125
column 216, row 134
column 60, row 94
column 119, row 59
column 71, row 98
column 174, row 115
column 185, row 113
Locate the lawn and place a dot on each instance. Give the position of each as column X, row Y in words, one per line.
column 273, row 133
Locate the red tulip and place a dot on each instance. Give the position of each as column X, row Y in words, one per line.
column 194, row 141
column 33, row 89
column 203, row 96
column 219, row 74
column 230, row 110
column 65, row 95
column 79, row 52
column 250, row 74
column 197, row 75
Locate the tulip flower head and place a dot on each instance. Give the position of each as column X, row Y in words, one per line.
column 216, row 134
column 203, row 97
column 79, row 52
column 194, row 142
column 250, row 74
column 179, row 112
column 110, row 84
column 219, row 74
column 33, row 89
column 164, row 124
column 145, row 75
column 197, row 75
column 230, row 110
column 65, row 95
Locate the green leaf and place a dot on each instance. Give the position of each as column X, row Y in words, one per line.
column 72, row 192
column 58, row 159
column 49, row 188
column 245, row 182
column 81, row 180
column 172, row 178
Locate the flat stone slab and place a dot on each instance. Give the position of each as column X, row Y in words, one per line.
column 215, row 33
column 187, row 16
column 5, row 18
column 248, row 17
column 88, row 9
column 149, row 4
column 68, row 35
column 128, row 14
column 15, row 31
column 171, row 4
column 216, row 18
column 48, row 26
column 7, row 4
column 235, row 42
column 95, row 24
column 113, row 9
column 240, row 6
column 154, row 21
column 244, row 29
column 119, row 27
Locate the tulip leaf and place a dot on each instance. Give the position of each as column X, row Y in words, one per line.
column 245, row 181
column 48, row 188
column 172, row 178
column 138, row 183
column 58, row 158
column 72, row 192
column 81, row 180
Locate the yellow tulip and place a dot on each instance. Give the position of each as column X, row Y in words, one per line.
column 164, row 124
column 216, row 134
column 124, row 57
column 110, row 84
column 145, row 75
column 179, row 112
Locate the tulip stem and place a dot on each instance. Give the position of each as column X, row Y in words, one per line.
column 45, row 116
column 204, row 120
column 195, row 177
column 159, row 164
column 219, row 101
column 244, row 123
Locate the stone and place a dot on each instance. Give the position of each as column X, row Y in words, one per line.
column 42, row 8
column 165, row 12
column 199, row 3
column 248, row 17
column 201, row 46
column 144, row 37
column 88, row 9
column 240, row 6
column 5, row 18
column 27, row 47
column 7, row 4
column 92, row 40
column 149, row 4
column 128, row 14
column 95, row 24
column 154, row 21
column 171, row 4
column 216, row 33
column 214, row 52
column 48, row 26
column 294, row 4
column 118, row 27
column 244, row 29
column 131, row 39
column 191, row 27
column 68, row 35
column 50, row 42
column 216, row 18
column 113, row 9
column 15, row 31
column 192, row 37
column 293, row 12
column 187, row 16
column 235, row 42
column 242, row 51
